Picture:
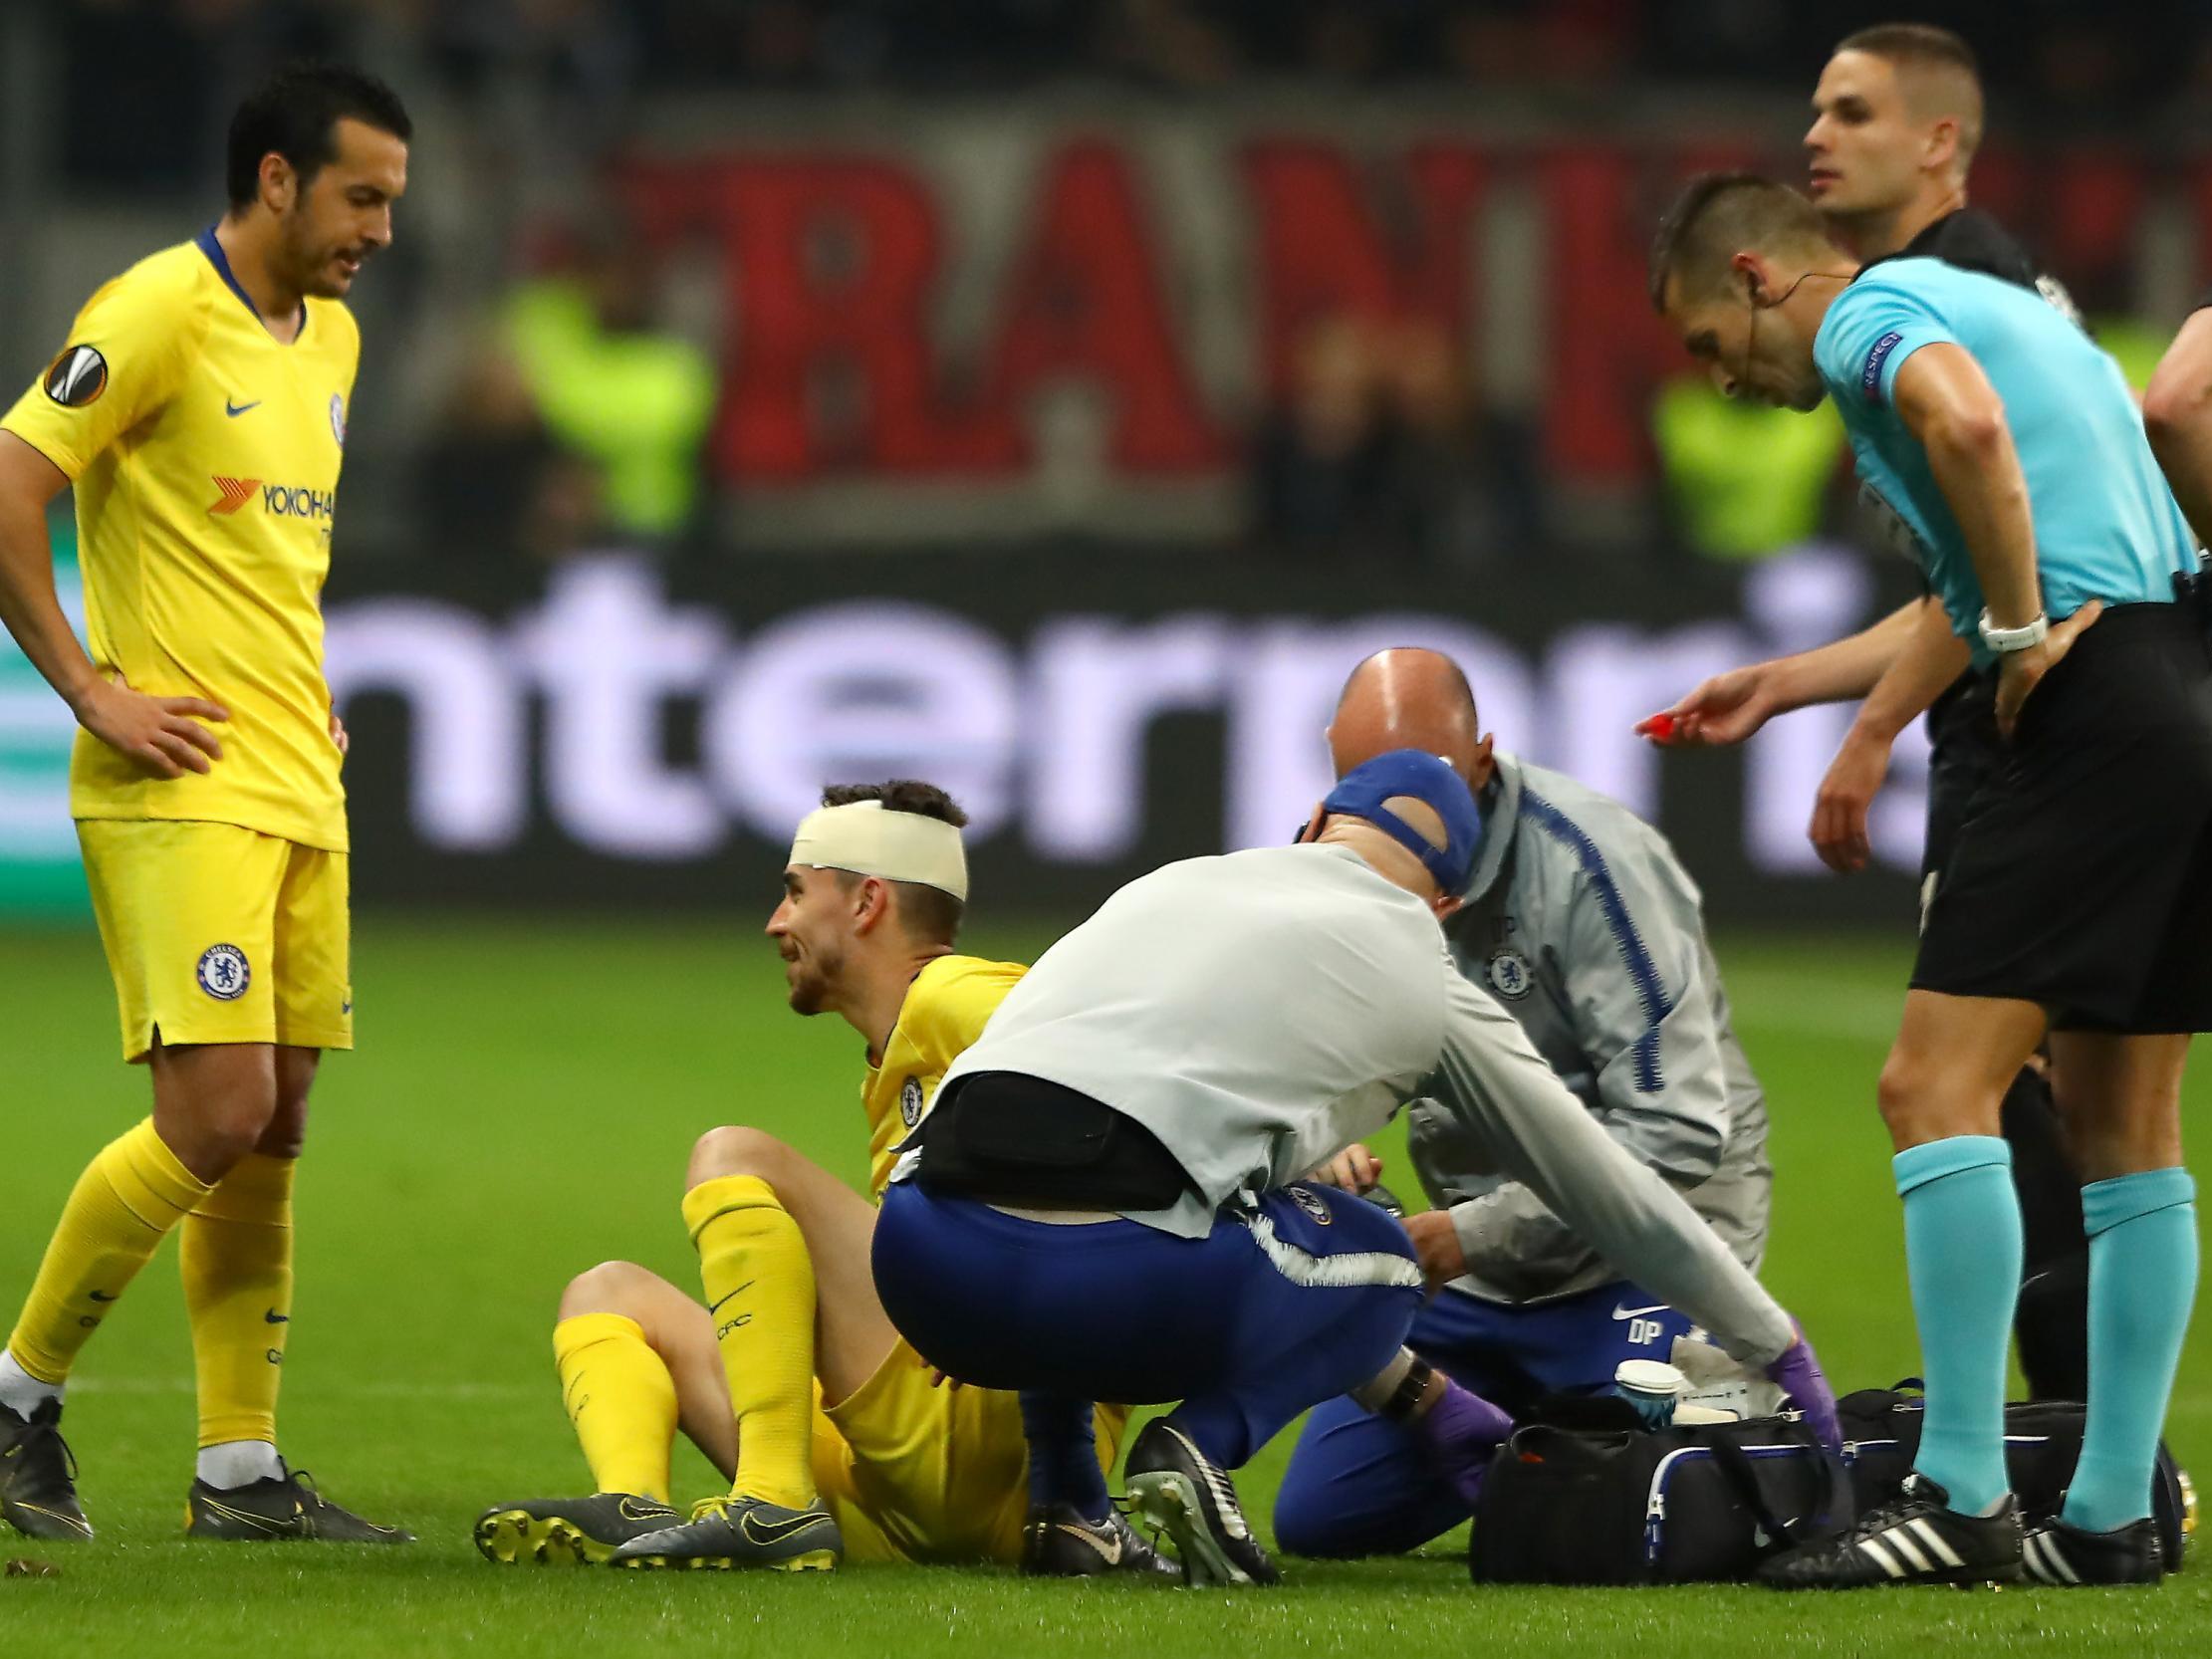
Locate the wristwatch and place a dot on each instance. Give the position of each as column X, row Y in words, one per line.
column 2004, row 641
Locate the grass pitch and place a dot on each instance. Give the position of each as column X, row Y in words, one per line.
column 521, row 1107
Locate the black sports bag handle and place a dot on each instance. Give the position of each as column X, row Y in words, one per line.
column 1727, row 1442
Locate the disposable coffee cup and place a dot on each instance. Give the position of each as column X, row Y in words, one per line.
column 1653, row 1387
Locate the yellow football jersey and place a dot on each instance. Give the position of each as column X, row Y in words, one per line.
column 205, row 455
column 944, row 1012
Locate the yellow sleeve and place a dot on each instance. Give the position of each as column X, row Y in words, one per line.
column 127, row 353
column 961, row 995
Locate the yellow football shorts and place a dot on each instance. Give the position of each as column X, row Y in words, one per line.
column 931, row 1474
column 219, row 934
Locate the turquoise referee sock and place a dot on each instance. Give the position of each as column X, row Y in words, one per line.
column 2143, row 1278
column 1963, row 1248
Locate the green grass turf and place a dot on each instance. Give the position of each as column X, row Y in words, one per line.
column 521, row 1107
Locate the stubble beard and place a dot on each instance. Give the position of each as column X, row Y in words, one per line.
column 811, row 988
column 308, row 267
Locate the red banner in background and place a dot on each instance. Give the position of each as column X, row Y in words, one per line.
column 831, row 265
column 1319, row 247
column 1172, row 284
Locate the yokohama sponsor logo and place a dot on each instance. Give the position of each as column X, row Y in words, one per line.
column 298, row 501
column 236, row 492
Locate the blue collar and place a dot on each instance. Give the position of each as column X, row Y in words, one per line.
column 1501, row 810
column 208, row 244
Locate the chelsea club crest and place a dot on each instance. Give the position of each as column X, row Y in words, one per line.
column 338, row 417
column 1510, row 976
column 224, row 973
column 1311, row 1203
column 910, row 1101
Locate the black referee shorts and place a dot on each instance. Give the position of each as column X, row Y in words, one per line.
column 1964, row 753
column 2082, row 873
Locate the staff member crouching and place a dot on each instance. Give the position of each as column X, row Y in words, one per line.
column 1583, row 923
column 1101, row 1205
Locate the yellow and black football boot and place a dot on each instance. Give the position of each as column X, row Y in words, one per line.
column 568, row 1531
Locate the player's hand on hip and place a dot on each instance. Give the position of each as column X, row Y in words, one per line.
column 1723, row 710
column 2020, row 672
column 1855, row 778
column 162, row 733
column 1436, row 1247
column 1354, row 1170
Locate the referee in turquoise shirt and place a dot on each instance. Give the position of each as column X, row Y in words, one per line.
column 2079, row 902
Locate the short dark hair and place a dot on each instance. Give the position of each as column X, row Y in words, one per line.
column 1925, row 46
column 901, row 795
column 1914, row 43
column 295, row 112
column 927, row 913
column 1719, row 214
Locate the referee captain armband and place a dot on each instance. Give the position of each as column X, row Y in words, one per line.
column 867, row 838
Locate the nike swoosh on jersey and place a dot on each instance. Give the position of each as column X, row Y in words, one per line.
column 717, row 1308
column 1620, row 1312
column 234, row 410
column 275, row 1318
column 102, row 1295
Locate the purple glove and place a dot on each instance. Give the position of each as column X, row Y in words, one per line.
column 1461, row 1432
column 1798, row 1373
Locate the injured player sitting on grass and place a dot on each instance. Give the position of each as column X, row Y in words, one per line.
column 839, row 1439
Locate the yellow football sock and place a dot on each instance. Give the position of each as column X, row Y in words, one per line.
column 121, row 1207
column 621, row 1399
column 235, row 1250
column 759, row 1284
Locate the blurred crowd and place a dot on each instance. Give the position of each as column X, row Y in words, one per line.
column 577, row 418
column 1378, row 451
column 579, row 408
column 2075, row 60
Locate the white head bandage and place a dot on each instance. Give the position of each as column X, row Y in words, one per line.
column 861, row 836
